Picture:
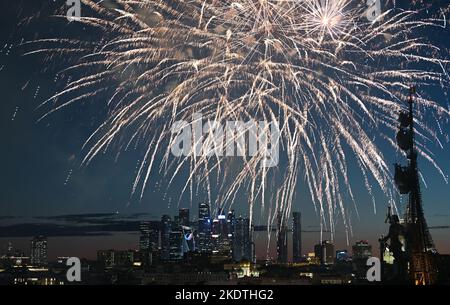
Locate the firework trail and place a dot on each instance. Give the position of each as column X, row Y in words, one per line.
column 334, row 81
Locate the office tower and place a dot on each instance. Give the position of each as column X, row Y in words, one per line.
column 361, row 250
column 144, row 240
column 230, row 224
column 253, row 245
column 176, row 245
column 296, row 237
column 149, row 239
column 220, row 240
column 328, row 252
column 166, row 228
column 325, row 252
column 183, row 217
column 282, row 240
column 204, row 228
column 39, row 251
column 230, row 229
column 215, row 235
column 249, row 244
column 242, row 243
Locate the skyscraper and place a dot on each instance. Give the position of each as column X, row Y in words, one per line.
column 253, row 245
column 325, row 252
column 166, row 229
column 150, row 235
column 39, row 251
column 296, row 237
column 220, row 240
column 215, row 236
column 282, row 240
column 183, row 217
column 204, row 228
column 176, row 245
column 230, row 228
column 10, row 250
column 230, row 223
column 242, row 243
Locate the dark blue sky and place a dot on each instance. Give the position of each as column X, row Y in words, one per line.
column 40, row 173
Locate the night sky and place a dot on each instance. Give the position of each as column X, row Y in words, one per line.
column 44, row 190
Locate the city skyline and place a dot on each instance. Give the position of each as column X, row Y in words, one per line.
column 238, row 231
column 57, row 200
column 130, row 237
column 224, row 242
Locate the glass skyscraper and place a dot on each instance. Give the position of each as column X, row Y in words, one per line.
column 296, row 237
column 220, row 235
column 282, row 240
column 149, row 239
column 204, row 228
column 183, row 217
column 39, row 251
column 166, row 229
column 242, row 243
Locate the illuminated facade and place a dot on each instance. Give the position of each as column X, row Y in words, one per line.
column 204, row 228
column 221, row 242
column 39, row 251
column 166, row 229
column 242, row 245
column 176, row 245
column 296, row 237
column 149, row 239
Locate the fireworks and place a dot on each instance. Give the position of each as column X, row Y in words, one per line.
column 333, row 81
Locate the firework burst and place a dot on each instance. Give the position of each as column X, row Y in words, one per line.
column 333, row 81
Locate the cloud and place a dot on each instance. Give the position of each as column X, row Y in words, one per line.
column 94, row 224
column 8, row 217
column 438, row 227
column 96, row 218
column 77, row 217
column 52, row 229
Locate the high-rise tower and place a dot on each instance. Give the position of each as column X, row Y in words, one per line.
column 242, row 241
column 204, row 228
column 149, row 238
column 282, row 240
column 166, row 230
column 296, row 237
column 39, row 251
column 183, row 217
